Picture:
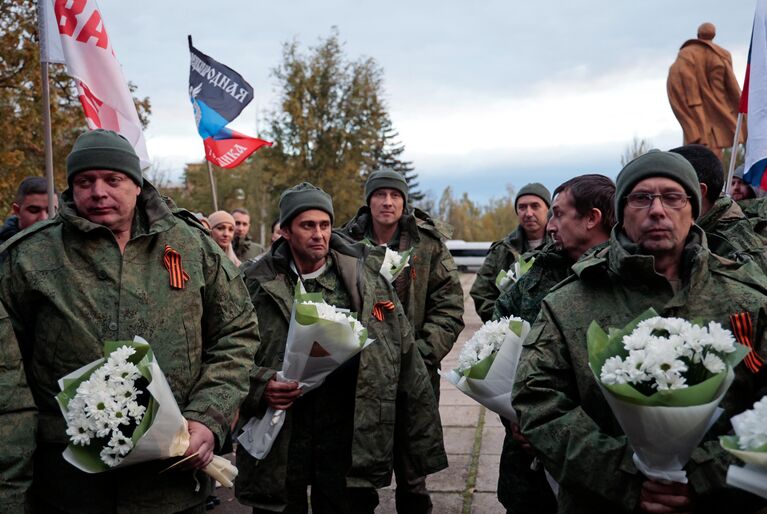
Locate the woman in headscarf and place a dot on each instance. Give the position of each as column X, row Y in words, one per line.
column 222, row 232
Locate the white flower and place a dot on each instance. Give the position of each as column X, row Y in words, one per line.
column 751, row 426
column 662, row 351
column 613, row 371
column 78, row 432
column 485, row 341
column 713, row 363
column 110, row 456
column 121, row 444
column 330, row 313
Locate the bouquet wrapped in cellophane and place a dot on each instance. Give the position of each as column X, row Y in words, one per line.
column 663, row 379
column 506, row 278
column 394, row 263
column 120, row 411
column 320, row 338
column 488, row 362
column 749, row 444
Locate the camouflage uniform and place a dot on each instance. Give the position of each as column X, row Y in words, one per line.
column 562, row 411
column 520, row 488
column 431, row 294
column 430, row 290
column 392, row 388
column 501, row 256
column 246, row 249
column 755, row 210
column 65, row 303
column 730, row 234
column 18, row 422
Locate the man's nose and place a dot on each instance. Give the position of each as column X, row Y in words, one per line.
column 656, row 207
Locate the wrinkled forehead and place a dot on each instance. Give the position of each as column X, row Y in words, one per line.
column 529, row 200
column 241, row 217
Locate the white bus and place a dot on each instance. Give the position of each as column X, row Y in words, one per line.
column 468, row 256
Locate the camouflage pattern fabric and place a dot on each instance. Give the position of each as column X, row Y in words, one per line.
column 18, row 423
column 730, row 234
column 755, row 210
column 67, row 289
column 392, row 398
column 501, row 256
column 564, row 414
column 431, row 293
column 246, row 249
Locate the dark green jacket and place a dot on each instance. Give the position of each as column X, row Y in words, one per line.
column 246, row 249
column 18, row 422
column 730, row 234
column 523, row 298
column 500, row 257
column 755, row 210
column 430, row 290
column 392, row 382
column 562, row 411
column 67, row 289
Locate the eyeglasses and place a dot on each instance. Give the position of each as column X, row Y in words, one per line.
column 671, row 200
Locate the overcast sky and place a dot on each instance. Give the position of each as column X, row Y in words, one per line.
column 483, row 94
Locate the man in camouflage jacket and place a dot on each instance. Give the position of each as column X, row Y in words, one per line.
column 339, row 437
column 18, row 423
column 532, row 204
column 729, row 232
column 97, row 272
column 429, row 289
column 583, row 213
column 656, row 258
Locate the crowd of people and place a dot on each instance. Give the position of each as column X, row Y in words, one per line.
column 662, row 235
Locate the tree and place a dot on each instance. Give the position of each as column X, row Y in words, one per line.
column 473, row 222
column 22, row 151
column 331, row 126
column 634, row 149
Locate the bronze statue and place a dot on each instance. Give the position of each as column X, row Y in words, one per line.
column 704, row 93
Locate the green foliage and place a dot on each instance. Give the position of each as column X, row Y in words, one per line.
column 22, row 151
column 473, row 222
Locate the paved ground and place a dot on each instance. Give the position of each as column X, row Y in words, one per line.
column 473, row 439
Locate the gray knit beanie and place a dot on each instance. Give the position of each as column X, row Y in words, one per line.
column 657, row 164
column 385, row 177
column 303, row 197
column 536, row 189
column 103, row 150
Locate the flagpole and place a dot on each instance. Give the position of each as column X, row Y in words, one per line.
column 46, row 109
column 212, row 185
column 733, row 155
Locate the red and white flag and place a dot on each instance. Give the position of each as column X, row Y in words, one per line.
column 87, row 51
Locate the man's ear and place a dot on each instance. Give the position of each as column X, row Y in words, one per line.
column 703, row 189
column 16, row 208
column 594, row 218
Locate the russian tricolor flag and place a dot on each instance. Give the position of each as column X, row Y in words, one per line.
column 753, row 101
column 219, row 94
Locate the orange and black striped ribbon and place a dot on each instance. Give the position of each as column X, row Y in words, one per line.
column 742, row 328
column 380, row 307
column 172, row 261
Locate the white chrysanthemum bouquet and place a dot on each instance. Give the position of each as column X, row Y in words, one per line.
column 749, row 444
column 394, row 263
column 321, row 338
column 120, row 411
column 506, row 278
column 488, row 362
column 663, row 379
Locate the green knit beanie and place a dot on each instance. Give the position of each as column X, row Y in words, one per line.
column 303, row 197
column 535, row 189
column 385, row 177
column 103, row 150
column 657, row 164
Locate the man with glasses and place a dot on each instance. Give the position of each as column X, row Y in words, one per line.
column 656, row 257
